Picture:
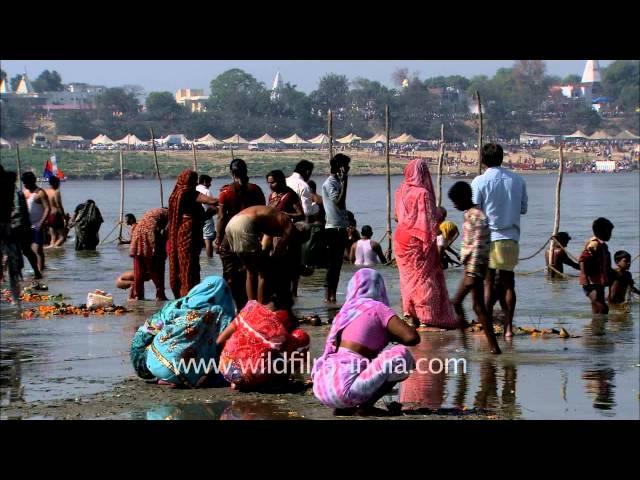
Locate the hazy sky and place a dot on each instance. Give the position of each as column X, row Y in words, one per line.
column 170, row 75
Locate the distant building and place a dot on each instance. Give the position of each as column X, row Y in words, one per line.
column 5, row 86
column 192, row 98
column 590, row 86
column 24, row 86
column 84, row 88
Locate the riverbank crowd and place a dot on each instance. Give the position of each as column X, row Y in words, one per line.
column 267, row 242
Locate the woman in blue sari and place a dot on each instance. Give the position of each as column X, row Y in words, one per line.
column 181, row 337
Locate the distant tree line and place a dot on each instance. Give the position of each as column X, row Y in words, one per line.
column 514, row 99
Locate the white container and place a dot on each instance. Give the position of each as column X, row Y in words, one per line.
column 99, row 299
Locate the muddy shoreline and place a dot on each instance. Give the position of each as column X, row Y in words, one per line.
column 136, row 399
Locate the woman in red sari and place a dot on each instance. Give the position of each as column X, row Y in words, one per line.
column 282, row 197
column 286, row 200
column 186, row 218
column 425, row 298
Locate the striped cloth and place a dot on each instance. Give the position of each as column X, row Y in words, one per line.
column 474, row 252
column 343, row 378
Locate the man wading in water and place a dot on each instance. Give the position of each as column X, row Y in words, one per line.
column 39, row 209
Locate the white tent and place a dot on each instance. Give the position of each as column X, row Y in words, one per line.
column 320, row 139
column 406, row 138
column 175, row 139
column 577, row 134
column 381, row 137
column 352, row 137
column 130, row 139
column 209, row 139
column 237, row 139
column 626, row 135
column 294, row 139
column 4, row 143
column 266, row 139
column 600, row 135
column 102, row 139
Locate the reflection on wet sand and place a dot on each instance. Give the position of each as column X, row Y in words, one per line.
column 424, row 388
column 599, row 385
column 11, row 388
column 221, row 410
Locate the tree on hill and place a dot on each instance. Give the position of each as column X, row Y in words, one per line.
column 48, row 82
column 15, row 81
column 75, row 123
column 162, row 106
column 115, row 102
column 332, row 94
column 620, row 82
column 571, row 79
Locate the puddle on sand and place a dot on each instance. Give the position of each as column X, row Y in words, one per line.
column 221, row 410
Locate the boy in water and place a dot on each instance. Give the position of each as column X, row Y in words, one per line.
column 559, row 257
column 474, row 255
column 595, row 265
column 621, row 279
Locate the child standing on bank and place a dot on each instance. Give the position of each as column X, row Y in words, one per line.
column 622, row 281
column 595, row 265
column 474, row 255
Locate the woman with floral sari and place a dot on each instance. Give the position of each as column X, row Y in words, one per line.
column 148, row 250
column 186, row 218
column 425, row 299
column 183, row 330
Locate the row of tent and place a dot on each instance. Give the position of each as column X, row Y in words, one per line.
column 266, row 139
column 602, row 135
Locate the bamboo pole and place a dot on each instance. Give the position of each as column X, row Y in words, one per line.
column 330, row 134
column 121, row 196
column 18, row 165
column 155, row 158
column 195, row 157
column 479, row 134
column 440, row 162
column 556, row 221
column 387, row 133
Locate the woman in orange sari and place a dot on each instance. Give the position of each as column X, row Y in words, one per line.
column 186, row 218
column 425, row 298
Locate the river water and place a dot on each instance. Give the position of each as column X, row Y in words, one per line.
column 591, row 377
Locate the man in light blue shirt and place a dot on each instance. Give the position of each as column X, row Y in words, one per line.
column 502, row 195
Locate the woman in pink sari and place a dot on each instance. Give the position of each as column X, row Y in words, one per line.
column 422, row 285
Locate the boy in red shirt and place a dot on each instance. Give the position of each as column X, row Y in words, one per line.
column 595, row 265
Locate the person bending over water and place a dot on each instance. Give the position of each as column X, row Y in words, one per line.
column 148, row 249
column 355, row 370
column 243, row 233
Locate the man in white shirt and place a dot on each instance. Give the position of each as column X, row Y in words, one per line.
column 209, row 228
column 298, row 183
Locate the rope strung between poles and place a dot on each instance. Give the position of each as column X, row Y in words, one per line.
column 531, row 273
column 565, row 275
column 555, row 240
column 537, row 252
column 109, row 234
